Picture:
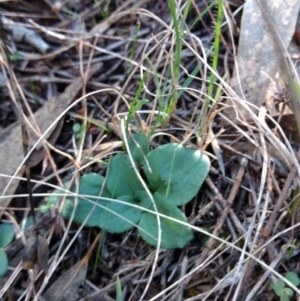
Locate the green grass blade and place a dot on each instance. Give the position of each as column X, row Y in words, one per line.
column 118, row 289
column 216, row 49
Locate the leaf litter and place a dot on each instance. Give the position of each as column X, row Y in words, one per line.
column 67, row 285
column 133, row 39
column 44, row 118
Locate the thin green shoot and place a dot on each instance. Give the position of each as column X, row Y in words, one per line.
column 93, row 122
column 214, row 62
column 98, row 161
column 296, row 200
column 32, row 90
column 163, row 98
column 133, row 49
column 136, row 104
column 188, row 81
column 179, row 34
column 292, row 249
column 216, row 50
column 15, row 56
column 105, row 10
column 219, row 90
column 208, row 8
column 98, row 255
column 79, row 131
column 118, row 289
column 161, row 104
column 178, row 39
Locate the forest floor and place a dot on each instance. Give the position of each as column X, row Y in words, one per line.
column 78, row 75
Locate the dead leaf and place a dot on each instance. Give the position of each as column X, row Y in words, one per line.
column 42, row 253
column 29, row 252
column 35, row 251
column 66, row 286
column 258, row 57
column 11, row 151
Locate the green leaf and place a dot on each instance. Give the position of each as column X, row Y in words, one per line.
column 279, row 287
column 3, row 262
column 143, row 199
column 121, row 179
column 76, row 127
column 288, row 291
column 44, row 208
column 7, row 234
column 118, row 289
column 293, row 278
column 113, row 223
column 139, row 104
column 28, row 223
column 272, row 285
column 52, row 200
column 139, row 147
column 15, row 56
column 284, row 297
column 89, row 184
column 173, row 235
column 177, row 172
